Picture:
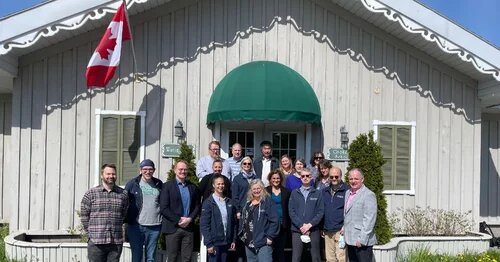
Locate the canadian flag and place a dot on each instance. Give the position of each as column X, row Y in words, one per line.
column 103, row 63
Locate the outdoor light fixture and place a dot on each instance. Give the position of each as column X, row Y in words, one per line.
column 344, row 140
column 179, row 130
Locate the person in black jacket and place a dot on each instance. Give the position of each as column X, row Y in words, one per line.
column 206, row 183
column 218, row 222
column 259, row 223
column 279, row 195
column 143, row 217
column 265, row 163
column 180, row 205
column 306, row 211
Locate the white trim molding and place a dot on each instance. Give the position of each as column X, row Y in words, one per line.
column 444, row 43
column 413, row 125
column 99, row 113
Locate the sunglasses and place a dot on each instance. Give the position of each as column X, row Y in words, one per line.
column 247, row 164
column 303, row 176
column 332, row 177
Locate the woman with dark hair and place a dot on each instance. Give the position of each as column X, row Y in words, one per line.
column 280, row 196
column 286, row 166
column 315, row 159
column 218, row 222
column 259, row 223
column 293, row 181
column 323, row 181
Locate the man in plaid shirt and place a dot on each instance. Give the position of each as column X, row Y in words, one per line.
column 103, row 211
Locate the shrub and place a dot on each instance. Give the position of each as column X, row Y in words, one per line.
column 188, row 156
column 366, row 154
column 424, row 255
column 424, row 222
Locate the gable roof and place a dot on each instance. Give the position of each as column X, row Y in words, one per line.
column 407, row 20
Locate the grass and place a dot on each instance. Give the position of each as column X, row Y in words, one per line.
column 424, row 255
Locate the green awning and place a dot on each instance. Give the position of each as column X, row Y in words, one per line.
column 264, row 90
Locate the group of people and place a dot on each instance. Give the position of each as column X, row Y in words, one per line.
column 252, row 206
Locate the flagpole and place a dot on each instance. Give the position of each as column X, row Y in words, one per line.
column 136, row 78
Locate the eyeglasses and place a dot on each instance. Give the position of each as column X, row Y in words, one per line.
column 303, row 176
column 318, row 157
column 247, row 164
column 148, row 169
column 336, row 177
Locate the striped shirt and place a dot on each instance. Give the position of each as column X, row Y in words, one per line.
column 102, row 214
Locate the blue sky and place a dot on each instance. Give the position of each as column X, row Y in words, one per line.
column 479, row 16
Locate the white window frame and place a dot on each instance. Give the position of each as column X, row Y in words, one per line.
column 413, row 125
column 99, row 113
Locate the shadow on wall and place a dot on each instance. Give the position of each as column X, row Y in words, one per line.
column 489, row 202
column 206, row 41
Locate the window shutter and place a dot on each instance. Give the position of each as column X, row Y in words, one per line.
column 109, row 140
column 385, row 140
column 130, row 148
column 403, row 154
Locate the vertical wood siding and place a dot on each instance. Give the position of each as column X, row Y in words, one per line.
column 358, row 72
column 5, row 129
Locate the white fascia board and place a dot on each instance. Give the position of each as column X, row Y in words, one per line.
column 449, row 37
column 446, row 28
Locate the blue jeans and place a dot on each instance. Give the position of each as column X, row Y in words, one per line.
column 263, row 254
column 139, row 235
column 220, row 254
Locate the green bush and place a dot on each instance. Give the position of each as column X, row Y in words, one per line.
column 424, row 222
column 424, row 255
column 366, row 154
column 188, row 156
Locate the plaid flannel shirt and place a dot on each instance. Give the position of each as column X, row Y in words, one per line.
column 102, row 214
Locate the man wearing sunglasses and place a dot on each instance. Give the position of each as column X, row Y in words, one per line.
column 334, row 199
column 306, row 210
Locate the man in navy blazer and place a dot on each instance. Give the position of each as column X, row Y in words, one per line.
column 266, row 163
column 180, row 205
column 360, row 211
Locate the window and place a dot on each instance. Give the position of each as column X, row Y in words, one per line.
column 120, row 141
column 285, row 143
column 245, row 139
column 397, row 140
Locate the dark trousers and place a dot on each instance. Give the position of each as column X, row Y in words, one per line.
column 104, row 252
column 179, row 245
column 220, row 254
column 360, row 254
column 279, row 246
column 298, row 246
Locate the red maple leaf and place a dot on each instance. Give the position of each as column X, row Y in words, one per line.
column 107, row 43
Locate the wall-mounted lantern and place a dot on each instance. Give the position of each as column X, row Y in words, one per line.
column 344, row 140
column 179, row 131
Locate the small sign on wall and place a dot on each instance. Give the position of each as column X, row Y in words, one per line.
column 337, row 154
column 172, row 150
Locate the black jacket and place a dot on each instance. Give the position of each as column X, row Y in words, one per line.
column 257, row 166
column 285, row 196
column 171, row 205
column 135, row 197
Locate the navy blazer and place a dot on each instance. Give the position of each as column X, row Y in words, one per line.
column 171, row 206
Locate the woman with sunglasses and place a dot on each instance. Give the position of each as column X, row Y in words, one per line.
column 315, row 160
column 293, row 181
column 218, row 222
column 259, row 224
column 280, row 196
column 306, row 211
column 239, row 186
column 323, row 181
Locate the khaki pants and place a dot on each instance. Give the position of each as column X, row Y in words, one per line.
column 332, row 251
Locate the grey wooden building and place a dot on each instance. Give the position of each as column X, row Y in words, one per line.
column 428, row 88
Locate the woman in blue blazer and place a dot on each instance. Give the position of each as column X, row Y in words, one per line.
column 218, row 222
